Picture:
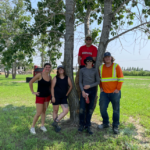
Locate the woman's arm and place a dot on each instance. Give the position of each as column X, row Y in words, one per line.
column 70, row 86
column 51, row 84
column 52, row 89
column 36, row 77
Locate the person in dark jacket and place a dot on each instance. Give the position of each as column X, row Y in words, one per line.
column 60, row 92
column 43, row 95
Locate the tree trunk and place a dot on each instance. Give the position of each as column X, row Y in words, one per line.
column 6, row 73
column 68, row 60
column 87, row 21
column 14, row 70
column 105, row 32
column 42, row 57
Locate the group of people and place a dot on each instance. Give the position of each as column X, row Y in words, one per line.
column 109, row 77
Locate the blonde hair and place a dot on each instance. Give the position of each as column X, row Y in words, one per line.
column 112, row 59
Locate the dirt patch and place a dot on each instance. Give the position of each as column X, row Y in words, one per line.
column 140, row 131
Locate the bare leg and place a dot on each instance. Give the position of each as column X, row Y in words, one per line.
column 45, row 106
column 39, row 109
column 55, row 111
column 65, row 111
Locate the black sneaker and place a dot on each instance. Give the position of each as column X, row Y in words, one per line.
column 89, row 131
column 57, row 128
column 116, row 130
column 81, row 128
column 102, row 126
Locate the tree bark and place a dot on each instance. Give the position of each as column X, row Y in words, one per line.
column 6, row 73
column 68, row 60
column 14, row 70
column 105, row 32
column 87, row 21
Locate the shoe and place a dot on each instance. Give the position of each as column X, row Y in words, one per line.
column 102, row 126
column 43, row 128
column 89, row 131
column 116, row 130
column 32, row 131
column 81, row 128
column 57, row 128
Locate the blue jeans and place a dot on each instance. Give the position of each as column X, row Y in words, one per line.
column 88, row 107
column 114, row 98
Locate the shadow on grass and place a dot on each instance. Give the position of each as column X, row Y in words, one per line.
column 15, row 123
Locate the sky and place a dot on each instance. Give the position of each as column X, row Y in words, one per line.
column 131, row 50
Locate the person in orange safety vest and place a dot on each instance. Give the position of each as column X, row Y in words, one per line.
column 111, row 80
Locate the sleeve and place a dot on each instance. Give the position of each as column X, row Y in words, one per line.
column 80, row 80
column 94, row 53
column 120, row 77
column 80, row 51
column 97, row 79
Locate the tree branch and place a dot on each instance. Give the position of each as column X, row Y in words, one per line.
column 56, row 32
column 120, row 7
column 127, row 31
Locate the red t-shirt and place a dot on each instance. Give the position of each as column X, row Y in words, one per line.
column 85, row 51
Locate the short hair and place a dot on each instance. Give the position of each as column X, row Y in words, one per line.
column 47, row 64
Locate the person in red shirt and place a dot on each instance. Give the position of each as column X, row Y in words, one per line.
column 87, row 50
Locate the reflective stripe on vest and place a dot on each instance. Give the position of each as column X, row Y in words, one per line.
column 114, row 75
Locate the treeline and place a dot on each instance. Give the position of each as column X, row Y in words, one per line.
column 136, row 73
column 132, row 69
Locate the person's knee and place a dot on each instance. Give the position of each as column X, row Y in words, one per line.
column 44, row 111
column 81, row 111
column 55, row 111
column 38, row 114
column 91, row 111
column 66, row 110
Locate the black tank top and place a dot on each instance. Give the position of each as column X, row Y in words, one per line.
column 61, row 87
column 44, row 88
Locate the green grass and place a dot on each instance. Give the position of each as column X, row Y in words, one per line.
column 17, row 108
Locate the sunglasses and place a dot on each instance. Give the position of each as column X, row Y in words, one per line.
column 89, row 61
column 88, row 39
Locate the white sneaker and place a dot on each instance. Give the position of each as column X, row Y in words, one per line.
column 43, row 129
column 32, row 131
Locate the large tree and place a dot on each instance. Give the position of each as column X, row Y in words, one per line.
column 116, row 17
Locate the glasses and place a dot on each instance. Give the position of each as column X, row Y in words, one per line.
column 88, row 39
column 89, row 61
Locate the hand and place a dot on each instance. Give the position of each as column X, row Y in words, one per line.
column 101, row 89
column 36, row 93
column 86, row 87
column 116, row 91
column 83, row 94
column 53, row 99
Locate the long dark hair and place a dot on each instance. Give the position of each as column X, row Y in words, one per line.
column 58, row 75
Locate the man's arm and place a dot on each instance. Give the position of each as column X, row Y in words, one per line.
column 94, row 58
column 79, row 60
column 120, row 77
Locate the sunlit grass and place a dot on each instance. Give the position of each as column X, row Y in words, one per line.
column 17, row 108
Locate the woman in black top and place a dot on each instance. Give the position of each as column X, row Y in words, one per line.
column 60, row 91
column 42, row 95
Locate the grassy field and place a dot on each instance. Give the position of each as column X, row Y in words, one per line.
column 17, row 108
